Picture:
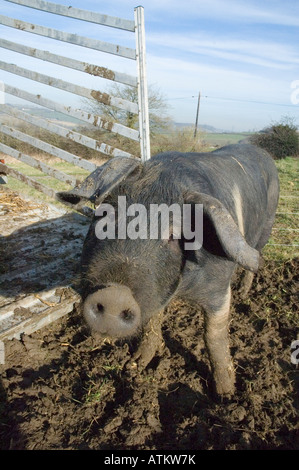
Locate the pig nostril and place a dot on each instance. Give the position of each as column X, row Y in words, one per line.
column 100, row 308
column 127, row 315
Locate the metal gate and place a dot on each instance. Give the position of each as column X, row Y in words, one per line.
column 137, row 54
column 38, row 262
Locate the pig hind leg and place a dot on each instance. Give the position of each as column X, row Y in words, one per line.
column 217, row 342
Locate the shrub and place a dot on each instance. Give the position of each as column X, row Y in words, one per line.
column 280, row 140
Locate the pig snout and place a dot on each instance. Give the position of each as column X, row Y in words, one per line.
column 112, row 311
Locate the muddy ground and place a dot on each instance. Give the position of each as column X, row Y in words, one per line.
column 62, row 389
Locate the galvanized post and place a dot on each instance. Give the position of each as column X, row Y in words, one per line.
column 144, row 130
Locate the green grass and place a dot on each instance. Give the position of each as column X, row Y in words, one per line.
column 285, row 232
column 95, row 390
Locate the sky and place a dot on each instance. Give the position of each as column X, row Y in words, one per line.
column 241, row 56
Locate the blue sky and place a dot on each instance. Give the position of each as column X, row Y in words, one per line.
column 243, row 56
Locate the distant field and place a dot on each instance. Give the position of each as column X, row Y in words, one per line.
column 220, row 140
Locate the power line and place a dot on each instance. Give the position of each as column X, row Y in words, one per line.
column 251, row 101
column 232, row 99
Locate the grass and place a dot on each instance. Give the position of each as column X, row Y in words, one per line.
column 95, row 390
column 285, row 233
column 223, row 139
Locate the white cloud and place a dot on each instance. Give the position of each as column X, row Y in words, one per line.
column 182, row 75
column 264, row 12
column 266, row 54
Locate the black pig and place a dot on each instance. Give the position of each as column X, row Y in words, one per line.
column 127, row 281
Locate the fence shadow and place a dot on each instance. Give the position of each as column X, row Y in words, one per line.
column 41, row 256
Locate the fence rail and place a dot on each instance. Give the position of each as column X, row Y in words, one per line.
column 104, row 98
column 33, row 162
column 77, row 13
column 83, row 41
column 35, row 74
column 74, row 64
column 70, row 134
column 44, row 146
column 89, row 118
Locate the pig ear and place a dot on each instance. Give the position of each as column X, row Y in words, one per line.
column 231, row 240
column 101, row 181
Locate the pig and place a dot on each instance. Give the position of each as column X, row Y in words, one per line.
column 126, row 282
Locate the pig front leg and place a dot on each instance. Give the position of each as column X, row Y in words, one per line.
column 152, row 343
column 216, row 330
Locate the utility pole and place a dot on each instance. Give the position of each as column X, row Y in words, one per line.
column 197, row 113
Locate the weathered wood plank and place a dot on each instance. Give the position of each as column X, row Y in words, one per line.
column 41, row 319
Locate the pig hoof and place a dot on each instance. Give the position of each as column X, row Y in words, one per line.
column 246, row 284
column 146, row 351
column 224, row 379
column 225, row 384
column 225, row 390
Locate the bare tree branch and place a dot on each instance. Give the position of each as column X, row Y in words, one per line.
column 158, row 108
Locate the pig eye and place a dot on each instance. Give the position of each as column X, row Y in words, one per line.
column 100, row 308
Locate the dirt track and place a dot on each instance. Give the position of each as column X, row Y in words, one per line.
column 62, row 390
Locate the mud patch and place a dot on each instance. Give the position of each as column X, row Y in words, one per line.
column 61, row 389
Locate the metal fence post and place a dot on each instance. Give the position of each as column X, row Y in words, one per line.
column 142, row 84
